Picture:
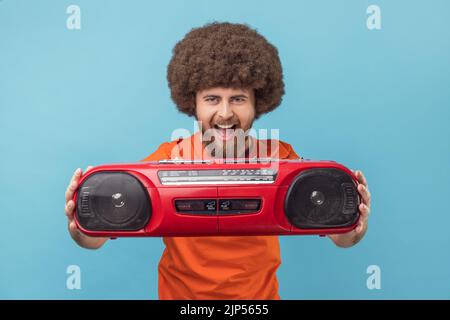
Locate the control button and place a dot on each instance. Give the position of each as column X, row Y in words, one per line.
column 211, row 205
column 225, row 205
column 194, row 206
column 239, row 206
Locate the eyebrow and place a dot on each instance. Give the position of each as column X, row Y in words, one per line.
column 217, row 96
column 239, row 96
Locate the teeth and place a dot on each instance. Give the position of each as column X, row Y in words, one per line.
column 225, row 127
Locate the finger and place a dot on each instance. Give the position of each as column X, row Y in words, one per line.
column 73, row 226
column 76, row 174
column 361, row 178
column 359, row 228
column 365, row 194
column 70, row 205
column 88, row 168
column 70, row 190
column 364, row 211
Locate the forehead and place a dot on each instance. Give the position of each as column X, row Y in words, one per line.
column 221, row 91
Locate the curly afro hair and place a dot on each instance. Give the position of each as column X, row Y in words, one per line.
column 225, row 55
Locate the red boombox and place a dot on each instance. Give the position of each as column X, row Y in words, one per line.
column 217, row 198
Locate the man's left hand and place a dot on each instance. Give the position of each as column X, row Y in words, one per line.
column 353, row 237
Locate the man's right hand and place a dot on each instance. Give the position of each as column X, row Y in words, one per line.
column 80, row 238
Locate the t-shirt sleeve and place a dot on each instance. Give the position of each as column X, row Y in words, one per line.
column 290, row 154
column 162, row 153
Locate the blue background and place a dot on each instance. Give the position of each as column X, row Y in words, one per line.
column 374, row 100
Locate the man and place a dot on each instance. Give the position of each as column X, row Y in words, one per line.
column 226, row 76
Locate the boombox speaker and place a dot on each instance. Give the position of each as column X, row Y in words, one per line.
column 217, row 198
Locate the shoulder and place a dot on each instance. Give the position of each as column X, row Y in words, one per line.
column 288, row 150
column 163, row 151
column 285, row 150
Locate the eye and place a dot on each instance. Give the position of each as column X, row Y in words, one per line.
column 239, row 100
column 211, row 99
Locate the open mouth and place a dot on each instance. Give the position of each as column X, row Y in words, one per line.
column 225, row 132
column 225, row 127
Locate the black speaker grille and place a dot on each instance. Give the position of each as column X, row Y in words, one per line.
column 113, row 201
column 322, row 198
column 350, row 198
column 85, row 210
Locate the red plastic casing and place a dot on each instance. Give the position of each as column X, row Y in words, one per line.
column 165, row 221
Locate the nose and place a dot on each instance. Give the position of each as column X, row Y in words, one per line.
column 225, row 111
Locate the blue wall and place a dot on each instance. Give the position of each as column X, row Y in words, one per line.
column 375, row 100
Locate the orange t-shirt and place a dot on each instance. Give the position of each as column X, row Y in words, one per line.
column 221, row 267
